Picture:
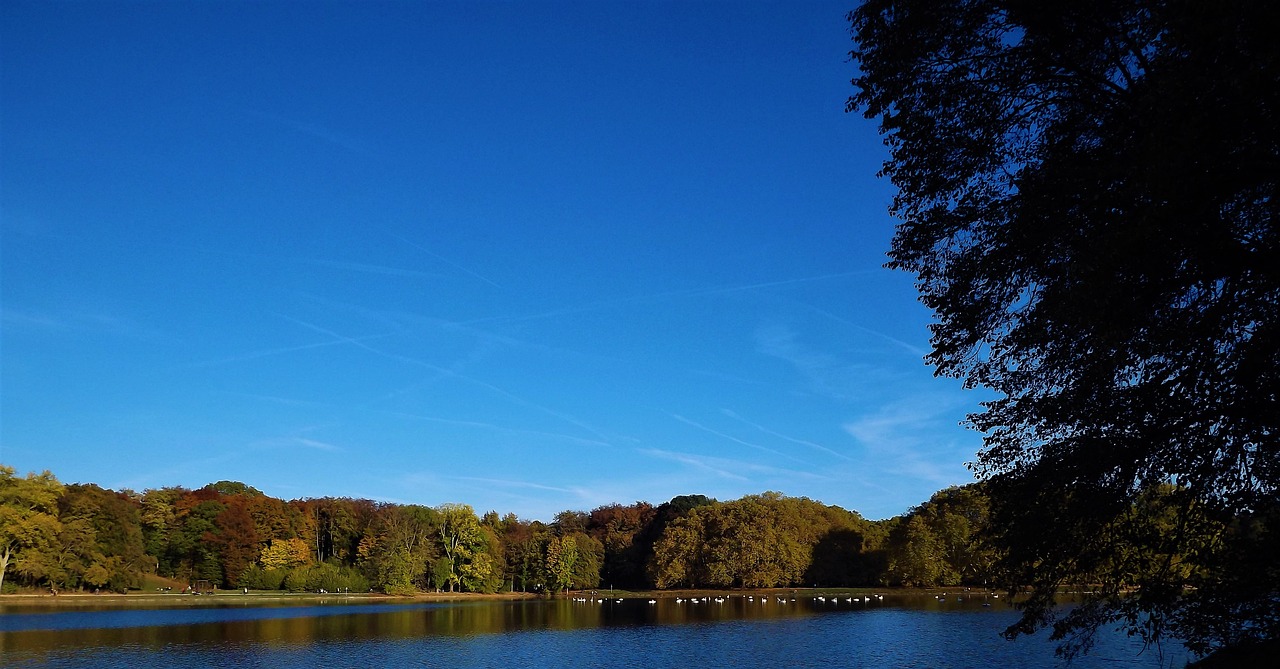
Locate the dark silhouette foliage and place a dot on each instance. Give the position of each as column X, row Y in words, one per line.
column 1088, row 195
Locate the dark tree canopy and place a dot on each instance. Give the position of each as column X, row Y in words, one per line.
column 234, row 488
column 1087, row 193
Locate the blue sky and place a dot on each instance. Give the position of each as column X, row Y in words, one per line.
column 524, row 256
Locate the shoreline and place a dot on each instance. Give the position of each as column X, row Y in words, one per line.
column 72, row 599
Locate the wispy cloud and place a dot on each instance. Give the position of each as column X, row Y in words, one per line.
column 507, row 483
column 827, row 375
column 709, row 465
column 73, row 321
column 317, row 445
column 722, row 435
column 671, row 294
column 499, row 428
column 729, row 468
column 902, row 438
column 779, row 435
column 456, row 375
column 916, row 351
column 266, row 353
column 370, row 268
column 409, row 322
column 11, row 319
column 295, row 441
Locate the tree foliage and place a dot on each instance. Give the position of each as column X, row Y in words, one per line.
column 28, row 521
column 761, row 541
column 93, row 538
column 943, row 541
column 400, row 548
column 1088, row 198
column 109, row 551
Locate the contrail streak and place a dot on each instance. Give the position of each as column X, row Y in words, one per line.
column 779, row 435
column 446, row 261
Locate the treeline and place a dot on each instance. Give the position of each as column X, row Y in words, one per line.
column 231, row 535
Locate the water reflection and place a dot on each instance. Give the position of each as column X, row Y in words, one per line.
column 780, row 629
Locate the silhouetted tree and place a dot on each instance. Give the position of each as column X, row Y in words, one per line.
column 1088, row 195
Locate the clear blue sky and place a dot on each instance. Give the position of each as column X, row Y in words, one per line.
column 524, row 256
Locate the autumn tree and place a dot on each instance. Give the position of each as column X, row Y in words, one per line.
column 758, row 541
column 237, row 539
column 1088, row 198
column 944, row 541
column 617, row 527
column 284, row 554
column 272, row 518
column 523, row 545
column 848, row 551
column 680, row 555
column 762, row 541
column 102, row 529
column 28, row 520
column 644, row 543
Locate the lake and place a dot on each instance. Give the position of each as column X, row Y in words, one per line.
column 739, row 631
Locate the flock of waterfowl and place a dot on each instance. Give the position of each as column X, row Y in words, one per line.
column 763, row 599
column 779, row 599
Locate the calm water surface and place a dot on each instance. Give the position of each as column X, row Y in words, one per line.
column 914, row 631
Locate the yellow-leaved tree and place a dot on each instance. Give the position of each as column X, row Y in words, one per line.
column 28, row 520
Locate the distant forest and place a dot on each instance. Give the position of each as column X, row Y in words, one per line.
column 231, row 535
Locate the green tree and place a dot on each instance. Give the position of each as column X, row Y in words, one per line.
column 916, row 555
column 586, row 571
column 461, row 539
column 399, row 547
column 340, row 524
column 159, row 519
column 194, row 545
column 847, row 549
column 483, row 571
column 1088, row 198
column 944, row 541
column 562, row 560
column 234, row 488
column 29, row 523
